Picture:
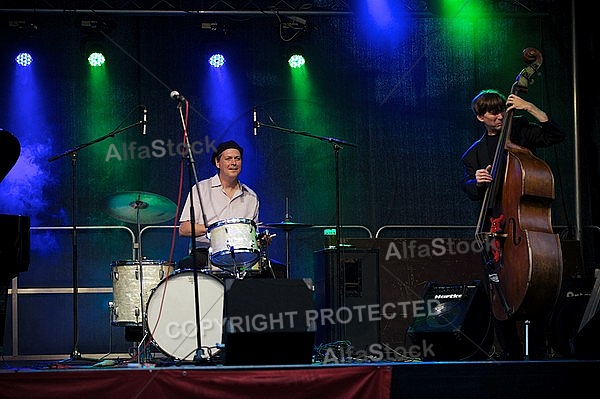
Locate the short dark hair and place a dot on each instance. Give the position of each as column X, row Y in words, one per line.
column 488, row 100
column 226, row 145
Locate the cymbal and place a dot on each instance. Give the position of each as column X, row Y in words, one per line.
column 287, row 225
column 152, row 208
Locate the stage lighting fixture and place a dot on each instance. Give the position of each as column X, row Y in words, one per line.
column 93, row 51
column 216, row 60
column 96, row 59
column 25, row 33
column 294, row 22
column 296, row 61
column 94, row 31
column 24, row 59
column 97, row 25
column 294, row 55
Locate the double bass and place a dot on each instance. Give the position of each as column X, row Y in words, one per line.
column 521, row 254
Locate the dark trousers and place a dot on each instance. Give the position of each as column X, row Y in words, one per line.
column 511, row 340
column 197, row 259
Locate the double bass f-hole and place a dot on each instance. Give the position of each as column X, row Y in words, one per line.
column 515, row 236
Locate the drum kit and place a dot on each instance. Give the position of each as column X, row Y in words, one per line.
column 160, row 299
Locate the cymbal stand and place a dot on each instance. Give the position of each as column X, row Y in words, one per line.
column 238, row 273
column 287, row 238
column 269, row 267
column 338, row 144
column 73, row 153
column 143, row 344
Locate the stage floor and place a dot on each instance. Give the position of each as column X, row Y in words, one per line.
column 122, row 377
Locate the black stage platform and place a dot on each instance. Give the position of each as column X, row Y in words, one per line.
column 121, row 378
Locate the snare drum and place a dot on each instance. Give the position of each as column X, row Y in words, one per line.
column 126, row 309
column 233, row 243
column 171, row 314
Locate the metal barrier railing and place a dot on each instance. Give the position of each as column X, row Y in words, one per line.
column 15, row 290
column 136, row 248
column 419, row 227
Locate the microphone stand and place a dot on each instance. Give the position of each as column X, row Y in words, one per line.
column 193, row 183
column 75, row 354
column 338, row 144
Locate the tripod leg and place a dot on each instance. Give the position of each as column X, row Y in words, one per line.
column 270, row 267
column 265, row 263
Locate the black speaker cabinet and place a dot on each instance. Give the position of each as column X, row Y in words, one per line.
column 267, row 321
column 14, row 253
column 586, row 340
column 568, row 313
column 344, row 293
column 455, row 323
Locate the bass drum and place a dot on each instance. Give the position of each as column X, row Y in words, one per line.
column 171, row 314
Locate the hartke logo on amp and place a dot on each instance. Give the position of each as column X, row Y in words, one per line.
column 459, row 326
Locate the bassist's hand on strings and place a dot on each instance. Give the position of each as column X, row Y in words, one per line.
column 514, row 102
column 483, row 176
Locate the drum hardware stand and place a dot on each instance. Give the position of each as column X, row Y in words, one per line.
column 238, row 273
column 269, row 267
column 75, row 354
column 265, row 257
column 138, row 208
column 193, row 183
column 287, row 225
column 143, row 349
column 287, row 238
column 337, row 146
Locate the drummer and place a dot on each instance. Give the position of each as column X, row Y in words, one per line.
column 223, row 197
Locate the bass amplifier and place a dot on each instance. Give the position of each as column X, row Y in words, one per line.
column 456, row 322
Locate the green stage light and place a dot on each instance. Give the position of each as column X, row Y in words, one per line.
column 296, row 61
column 96, row 59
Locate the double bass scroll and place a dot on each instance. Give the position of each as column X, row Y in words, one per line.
column 521, row 253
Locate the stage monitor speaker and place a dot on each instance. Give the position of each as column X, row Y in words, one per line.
column 267, row 322
column 567, row 315
column 586, row 341
column 456, row 323
column 347, row 290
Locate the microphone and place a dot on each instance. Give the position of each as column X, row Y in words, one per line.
column 255, row 121
column 176, row 96
column 145, row 121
